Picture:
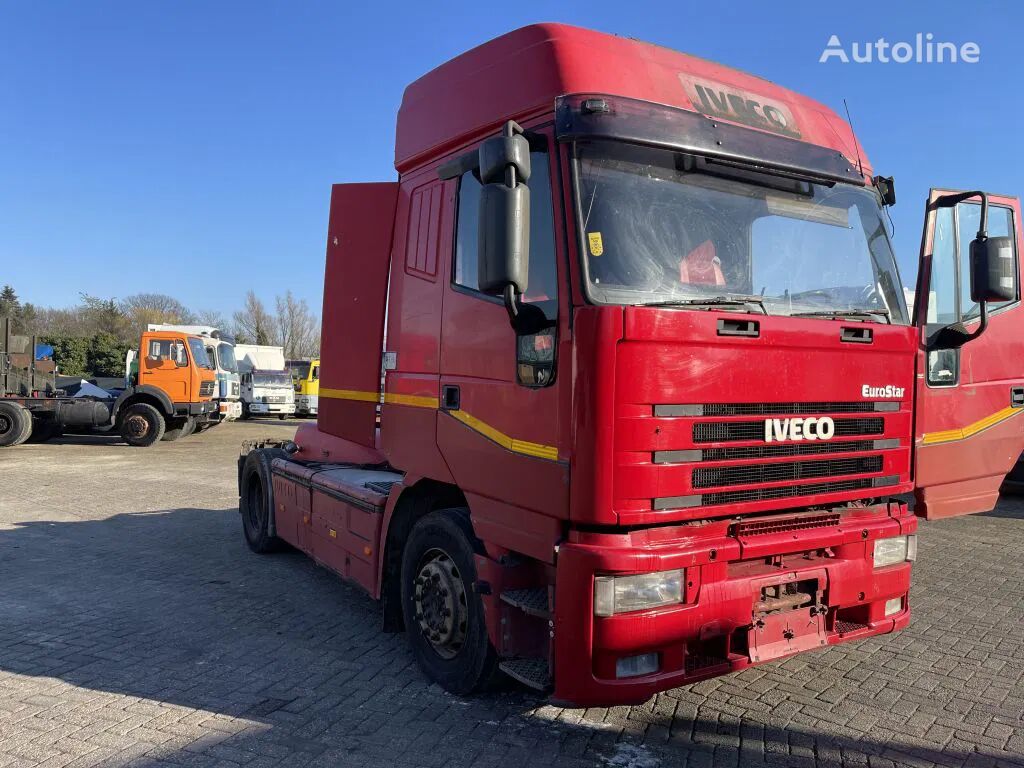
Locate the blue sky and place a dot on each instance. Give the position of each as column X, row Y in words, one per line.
column 189, row 147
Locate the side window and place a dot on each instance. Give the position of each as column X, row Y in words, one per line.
column 178, row 353
column 535, row 353
column 949, row 292
column 1000, row 224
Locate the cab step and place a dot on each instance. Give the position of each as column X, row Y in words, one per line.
column 531, row 672
column 531, row 601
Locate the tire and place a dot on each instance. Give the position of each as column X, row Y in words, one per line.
column 245, row 412
column 178, row 428
column 15, row 424
column 256, row 499
column 191, row 426
column 282, row 416
column 142, row 425
column 44, row 429
column 438, row 574
column 202, row 427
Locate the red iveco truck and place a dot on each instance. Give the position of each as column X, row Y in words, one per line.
column 651, row 392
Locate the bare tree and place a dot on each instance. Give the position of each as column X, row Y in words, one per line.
column 297, row 326
column 212, row 317
column 145, row 308
column 254, row 324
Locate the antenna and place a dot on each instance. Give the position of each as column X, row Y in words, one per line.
column 856, row 144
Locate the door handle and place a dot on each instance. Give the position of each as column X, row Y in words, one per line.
column 1017, row 397
column 450, row 397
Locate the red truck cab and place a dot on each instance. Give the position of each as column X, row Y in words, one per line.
column 651, row 394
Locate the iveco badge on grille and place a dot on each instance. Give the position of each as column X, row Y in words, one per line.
column 779, row 430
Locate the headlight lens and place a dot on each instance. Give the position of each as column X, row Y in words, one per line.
column 622, row 594
column 899, row 549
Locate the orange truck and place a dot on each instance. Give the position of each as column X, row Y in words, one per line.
column 168, row 396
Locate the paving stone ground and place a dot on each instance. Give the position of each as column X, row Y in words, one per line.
column 137, row 629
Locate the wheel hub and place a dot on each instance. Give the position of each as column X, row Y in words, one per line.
column 6, row 425
column 137, row 426
column 440, row 600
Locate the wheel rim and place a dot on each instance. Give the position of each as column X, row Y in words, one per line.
column 254, row 505
column 137, row 425
column 442, row 611
column 6, row 424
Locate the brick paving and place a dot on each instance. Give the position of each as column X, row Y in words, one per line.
column 137, row 629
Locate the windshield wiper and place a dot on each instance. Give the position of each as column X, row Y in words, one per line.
column 846, row 313
column 711, row 301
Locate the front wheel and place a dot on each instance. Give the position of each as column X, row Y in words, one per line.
column 444, row 617
column 142, row 425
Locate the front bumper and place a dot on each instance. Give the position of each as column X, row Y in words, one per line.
column 272, row 409
column 195, row 409
column 229, row 410
column 307, row 404
column 722, row 625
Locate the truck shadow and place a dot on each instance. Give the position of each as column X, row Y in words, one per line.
column 227, row 655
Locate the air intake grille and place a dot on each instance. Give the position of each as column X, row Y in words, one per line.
column 709, row 477
column 793, row 449
column 767, row 494
column 777, row 525
column 727, row 431
column 777, row 409
column 206, row 389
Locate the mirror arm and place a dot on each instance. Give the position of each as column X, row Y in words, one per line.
column 510, row 303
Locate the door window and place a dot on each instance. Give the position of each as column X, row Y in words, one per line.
column 949, row 291
column 535, row 353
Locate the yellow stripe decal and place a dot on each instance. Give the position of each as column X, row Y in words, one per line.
column 970, row 430
column 515, row 445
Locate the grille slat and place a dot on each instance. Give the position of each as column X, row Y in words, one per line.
column 793, row 409
column 783, row 492
column 735, row 431
column 709, row 477
column 795, row 449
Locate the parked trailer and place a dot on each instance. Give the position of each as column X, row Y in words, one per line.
column 652, row 393
column 165, row 400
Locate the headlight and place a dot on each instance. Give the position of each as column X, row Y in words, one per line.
column 899, row 549
column 621, row 594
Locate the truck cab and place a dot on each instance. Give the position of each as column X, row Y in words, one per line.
column 652, row 395
column 306, row 374
column 221, row 352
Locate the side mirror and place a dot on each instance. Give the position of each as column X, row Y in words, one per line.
column 993, row 276
column 504, row 223
column 886, row 186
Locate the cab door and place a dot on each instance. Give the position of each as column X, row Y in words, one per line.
column 969, row 429
column 165, row 365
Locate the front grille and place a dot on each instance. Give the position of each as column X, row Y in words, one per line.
column 234, row 389
column 733, row 431
column 794, row 449
column 777, row 409
column 276, row 399
column 206, row 389
column 709, row 477
column 782, row 492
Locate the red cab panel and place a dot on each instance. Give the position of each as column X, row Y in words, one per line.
column 968, row 430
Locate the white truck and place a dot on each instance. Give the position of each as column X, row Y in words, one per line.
column 267, row 387
column 220, row 347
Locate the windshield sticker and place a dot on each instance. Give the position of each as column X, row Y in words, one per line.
column 726, row 101
column 596, row 243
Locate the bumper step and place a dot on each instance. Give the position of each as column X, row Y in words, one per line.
column 531, row 672
column 531, row 601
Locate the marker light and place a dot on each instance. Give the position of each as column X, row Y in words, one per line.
column 899, row 549
column 622, row 594
column 894, row 606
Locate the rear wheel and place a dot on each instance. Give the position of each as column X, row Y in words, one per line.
column 444, row 618
column 15, row 424
column 256, row 499
column 142, row 425
column 179, row 428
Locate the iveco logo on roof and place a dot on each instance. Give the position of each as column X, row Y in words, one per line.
column 780, row 430
column 731, row 103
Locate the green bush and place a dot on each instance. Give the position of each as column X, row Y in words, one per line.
column 71, row 353
column 106, row 355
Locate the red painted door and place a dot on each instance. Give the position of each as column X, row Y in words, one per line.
column 969, row 429
column 498, row 425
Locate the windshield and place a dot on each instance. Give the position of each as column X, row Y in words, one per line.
column 272, row 380
column 299, row 369
column 198, row 350
column 227, row 357
column 660, row 227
